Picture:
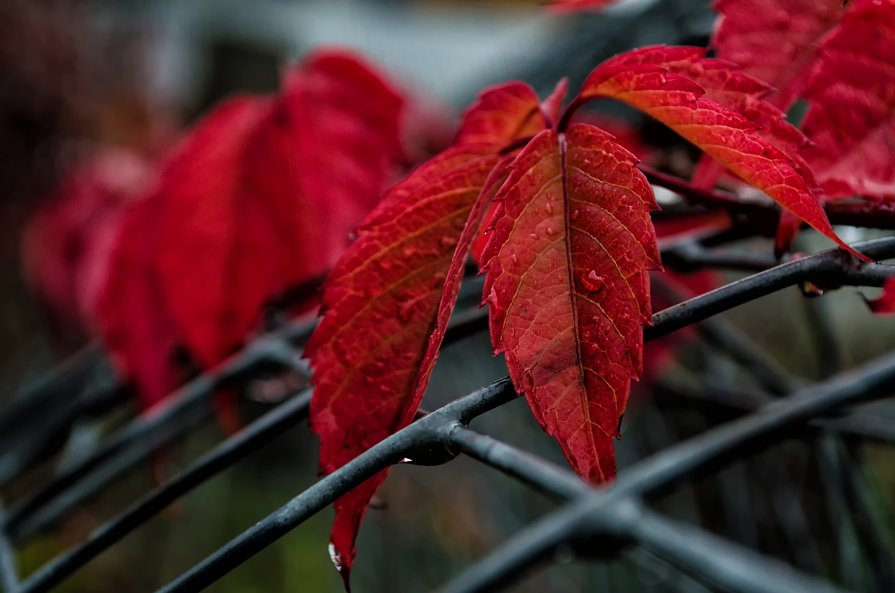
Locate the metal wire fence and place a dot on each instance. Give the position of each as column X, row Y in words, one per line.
column 597, row 523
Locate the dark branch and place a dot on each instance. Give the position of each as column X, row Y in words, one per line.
column 218, row 459
column 765, row 214
column 596, row 514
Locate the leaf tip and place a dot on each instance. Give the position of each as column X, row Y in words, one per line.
column 341, row 567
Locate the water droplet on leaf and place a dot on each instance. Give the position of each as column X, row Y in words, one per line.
column 593, row 281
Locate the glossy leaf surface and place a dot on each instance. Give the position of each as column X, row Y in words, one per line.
column 647, row 83
column 388, row 300
column 567, row 282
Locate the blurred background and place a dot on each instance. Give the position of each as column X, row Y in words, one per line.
column 76, row 76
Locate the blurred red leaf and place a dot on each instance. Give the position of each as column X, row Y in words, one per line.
column 851, row 92
column 58, row 242
column 127, row 307
column 567, row 282
column 263, row 193
column 775, row 40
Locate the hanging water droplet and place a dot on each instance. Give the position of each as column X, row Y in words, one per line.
column 335, row 557
column 593, row 281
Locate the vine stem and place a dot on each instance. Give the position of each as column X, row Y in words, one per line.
column 863, row 212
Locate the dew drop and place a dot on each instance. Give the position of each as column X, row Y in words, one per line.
column 447, row 241
column 593, row 281
column 335, row 557
column 550, row 231
column 549, row 208
column 533, row 236
column 408, row 251
column 575, row 214
column 514, row 258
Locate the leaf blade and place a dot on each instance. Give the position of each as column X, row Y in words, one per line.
column 683, row 105
column 442, row 202
column 554, row 286
column 851, row 92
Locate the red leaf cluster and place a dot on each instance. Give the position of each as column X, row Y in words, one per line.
column 568, row 247
column 388, row 299
column 836, row 56
column 259, row 197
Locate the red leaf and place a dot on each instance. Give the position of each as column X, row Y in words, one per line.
column 501, row 114
column 262, row 194
column 58, row 243
column 567, row 281
column 651, row 80
column 388, row 299
column 127, row 307
column 851, row 120
column 885, row 304
column 775, row 40
column 383, row 302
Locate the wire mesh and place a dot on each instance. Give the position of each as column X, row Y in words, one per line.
column 598, row 523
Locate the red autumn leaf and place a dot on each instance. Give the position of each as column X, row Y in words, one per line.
column 502, row 114
column 57, row 244
column 650, row 84
column 885, row 304
column 775, row 40
column 388, row 299
column 851, row 119
column 567, row 281
column 126, row 305
column 263, row 193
